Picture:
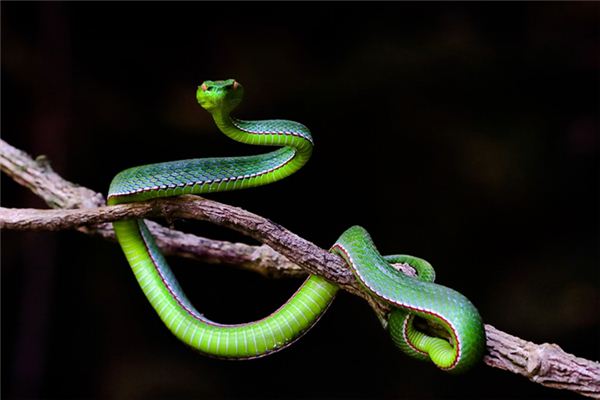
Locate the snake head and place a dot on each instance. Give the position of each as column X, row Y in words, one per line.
column 220, row 95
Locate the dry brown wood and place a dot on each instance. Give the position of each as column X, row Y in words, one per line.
column 282, row 254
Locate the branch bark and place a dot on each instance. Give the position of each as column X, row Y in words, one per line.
column 282, row 254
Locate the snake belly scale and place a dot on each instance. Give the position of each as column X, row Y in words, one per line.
column 409, row 297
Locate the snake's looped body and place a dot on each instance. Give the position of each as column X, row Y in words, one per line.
column 410, row 297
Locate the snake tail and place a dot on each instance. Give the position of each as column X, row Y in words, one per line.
column 416, row 297
column 400, row 321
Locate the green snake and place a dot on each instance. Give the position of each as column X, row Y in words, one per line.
column 408, row 297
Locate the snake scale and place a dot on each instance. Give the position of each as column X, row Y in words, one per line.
column 411, row 298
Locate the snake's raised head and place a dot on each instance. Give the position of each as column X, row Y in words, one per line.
column 220, row 95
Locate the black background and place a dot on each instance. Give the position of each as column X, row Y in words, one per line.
column 466, row 134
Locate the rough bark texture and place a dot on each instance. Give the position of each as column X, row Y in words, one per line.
column 282, row 254
column 546, row 363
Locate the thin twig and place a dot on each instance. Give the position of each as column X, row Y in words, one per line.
column 81, row 208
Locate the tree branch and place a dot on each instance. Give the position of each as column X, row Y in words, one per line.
column 83, row 209
column 38, row 176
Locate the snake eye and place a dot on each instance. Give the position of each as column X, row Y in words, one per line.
column 235, row 85
column 204, row 87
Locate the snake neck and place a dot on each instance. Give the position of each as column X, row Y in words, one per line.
column 276, row 132
column 293, row 136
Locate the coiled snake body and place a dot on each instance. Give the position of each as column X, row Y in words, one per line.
column 410, row 297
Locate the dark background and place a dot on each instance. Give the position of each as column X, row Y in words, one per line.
column 466, row 134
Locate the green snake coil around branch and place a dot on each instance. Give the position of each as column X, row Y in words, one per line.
column 410, row 298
